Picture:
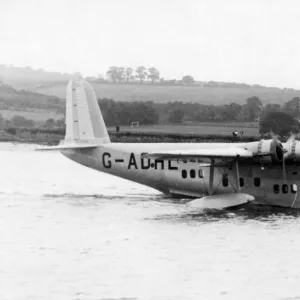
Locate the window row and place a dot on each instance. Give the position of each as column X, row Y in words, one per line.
column 192, row 174
column 284, row 188
column 225, row 181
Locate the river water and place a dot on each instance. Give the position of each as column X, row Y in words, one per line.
column 68, row 232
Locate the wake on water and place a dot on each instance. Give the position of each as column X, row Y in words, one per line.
column 183, row 213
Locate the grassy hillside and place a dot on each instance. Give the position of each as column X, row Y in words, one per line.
column 54, row 83
column 31, row 105
column 159, row 93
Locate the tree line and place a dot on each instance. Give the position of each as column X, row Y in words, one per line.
column 141, row 74
column 281, row 119
column 123, row 113
column 117, row 113
column 18, row 121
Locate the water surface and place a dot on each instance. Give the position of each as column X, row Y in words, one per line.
column 68, row 232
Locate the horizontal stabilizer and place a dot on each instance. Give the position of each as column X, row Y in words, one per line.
column 66, row 147
column 221, row 201
column 209, row 153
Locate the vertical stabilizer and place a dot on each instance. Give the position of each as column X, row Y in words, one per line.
column 84, row 121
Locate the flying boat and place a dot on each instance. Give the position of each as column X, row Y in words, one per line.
column 210, row 175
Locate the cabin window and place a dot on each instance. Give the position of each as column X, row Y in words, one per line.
column 242, row 183
column 200, row 173
column 276, row 189
column 285, row 188
column 225, row 180
column 192, row 173
column 294, row 188
column 256, row 181
column 184, row 174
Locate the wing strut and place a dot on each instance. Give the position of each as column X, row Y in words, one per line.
column 221, row 201
column 237, row 176
column 211, row 177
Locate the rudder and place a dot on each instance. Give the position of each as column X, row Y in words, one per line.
column 84, row 120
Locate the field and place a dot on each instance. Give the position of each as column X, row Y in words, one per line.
column 158, row 93
column 199, row 129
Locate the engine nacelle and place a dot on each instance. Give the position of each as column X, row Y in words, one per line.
column 267, row 151
column 292, row 150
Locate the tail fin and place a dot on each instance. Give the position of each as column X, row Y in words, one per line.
column 84, row 121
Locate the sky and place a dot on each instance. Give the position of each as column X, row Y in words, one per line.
column 234, row 40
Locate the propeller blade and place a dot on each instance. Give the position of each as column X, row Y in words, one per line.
column 273, row 135
column 291, row 139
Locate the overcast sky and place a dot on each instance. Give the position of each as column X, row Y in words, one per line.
column 233, row 40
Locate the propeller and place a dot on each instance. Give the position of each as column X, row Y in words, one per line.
column 287, row 151
column 274, row 136
column 281, row 151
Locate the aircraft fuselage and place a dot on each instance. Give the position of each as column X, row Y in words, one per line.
column 191, row 178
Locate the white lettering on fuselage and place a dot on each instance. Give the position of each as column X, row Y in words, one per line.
column 145, row 163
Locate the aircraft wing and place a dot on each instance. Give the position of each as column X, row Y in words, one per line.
column 203, row 153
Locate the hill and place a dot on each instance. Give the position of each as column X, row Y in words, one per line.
column 31, row 105
column 161, row 93
column 216, row 93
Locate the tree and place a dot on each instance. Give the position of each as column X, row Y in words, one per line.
column 116, row 74
column 60, row 123
column 252, row 108
column 20, row 121
column 50, row 123
column 176, row 116
column 188, row 80
column 141, row 73
column 269, row 108
column 120, row 74
column 113, row 73
column 153, row 74
column 147, row 113
column 292, row 107
column 128, row 74
column 231, row 111
column 280, row 123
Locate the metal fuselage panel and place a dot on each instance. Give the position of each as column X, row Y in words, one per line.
column 125, row 161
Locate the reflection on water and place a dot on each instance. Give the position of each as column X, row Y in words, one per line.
column 68, row 232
